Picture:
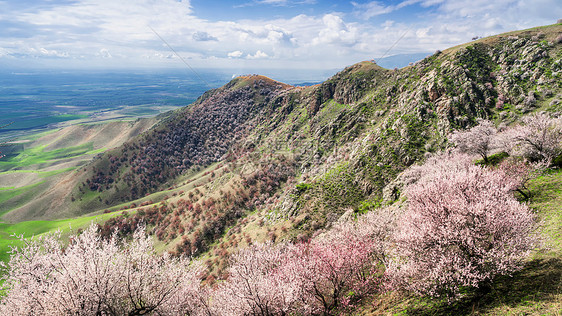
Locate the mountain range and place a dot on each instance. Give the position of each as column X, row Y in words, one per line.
column 258, row 160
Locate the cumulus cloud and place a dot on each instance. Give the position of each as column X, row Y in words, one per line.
column 97, row 29
column 203, row 37
column 336, row 31
column 258, row 55
column 235, row 54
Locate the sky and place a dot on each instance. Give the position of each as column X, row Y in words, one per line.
column 283, row 34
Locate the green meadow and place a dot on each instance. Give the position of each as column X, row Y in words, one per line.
column 41, row 164
column 9, row 232
column 39, row 156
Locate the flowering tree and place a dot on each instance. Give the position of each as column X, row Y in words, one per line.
column 518, row 172
column 339, row 270
column 538, row 138
column 263, row 280
column 462, row 227
column 92, row 276
column 325, row 276
column 479, row 140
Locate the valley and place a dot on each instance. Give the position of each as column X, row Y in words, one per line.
column 259, row 161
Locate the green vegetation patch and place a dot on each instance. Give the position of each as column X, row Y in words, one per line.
column 8, row 232
column 340, row 189
column 546, row 198
column 9, row 193
column 329, row 112
column 38, row 155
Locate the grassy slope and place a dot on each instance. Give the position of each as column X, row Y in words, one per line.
column 35, row 183
column 38, row 156
column 46, row 158
column 8, row 232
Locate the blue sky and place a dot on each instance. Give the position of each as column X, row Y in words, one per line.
column 288, row 34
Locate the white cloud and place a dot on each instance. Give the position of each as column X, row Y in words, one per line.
column 274, row 2
column 235, row 54
column 279, row 3
column 258, row 55
column 4, row 52
column 336, row 31
column 93, row 30
column 387, row 23
column 201, row 36
column 53, row 53
column 371, row 9
column 104, row 53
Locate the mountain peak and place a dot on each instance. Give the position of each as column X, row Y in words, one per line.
column 247, row 80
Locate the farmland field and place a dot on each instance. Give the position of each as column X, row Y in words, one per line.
column 37, row 100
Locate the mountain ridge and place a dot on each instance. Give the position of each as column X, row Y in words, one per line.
column 352, row 135
column 399, row 110
column 262, row 161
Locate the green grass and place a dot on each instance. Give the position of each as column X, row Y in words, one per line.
column 6, row 193
column 38, row 155
column 329, row 112
column 546, row 198
column 35, row 228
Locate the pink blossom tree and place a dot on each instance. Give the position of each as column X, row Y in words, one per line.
column 538, row 138
column 347, row 263
column 478, row 140
column 325, row 276
column 339, row 271
column 92, row 276
column 462, row 227
column 518, row 172
column 263, row 280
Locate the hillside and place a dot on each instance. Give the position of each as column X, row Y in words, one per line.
column 258, row 160
column 37, row 180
